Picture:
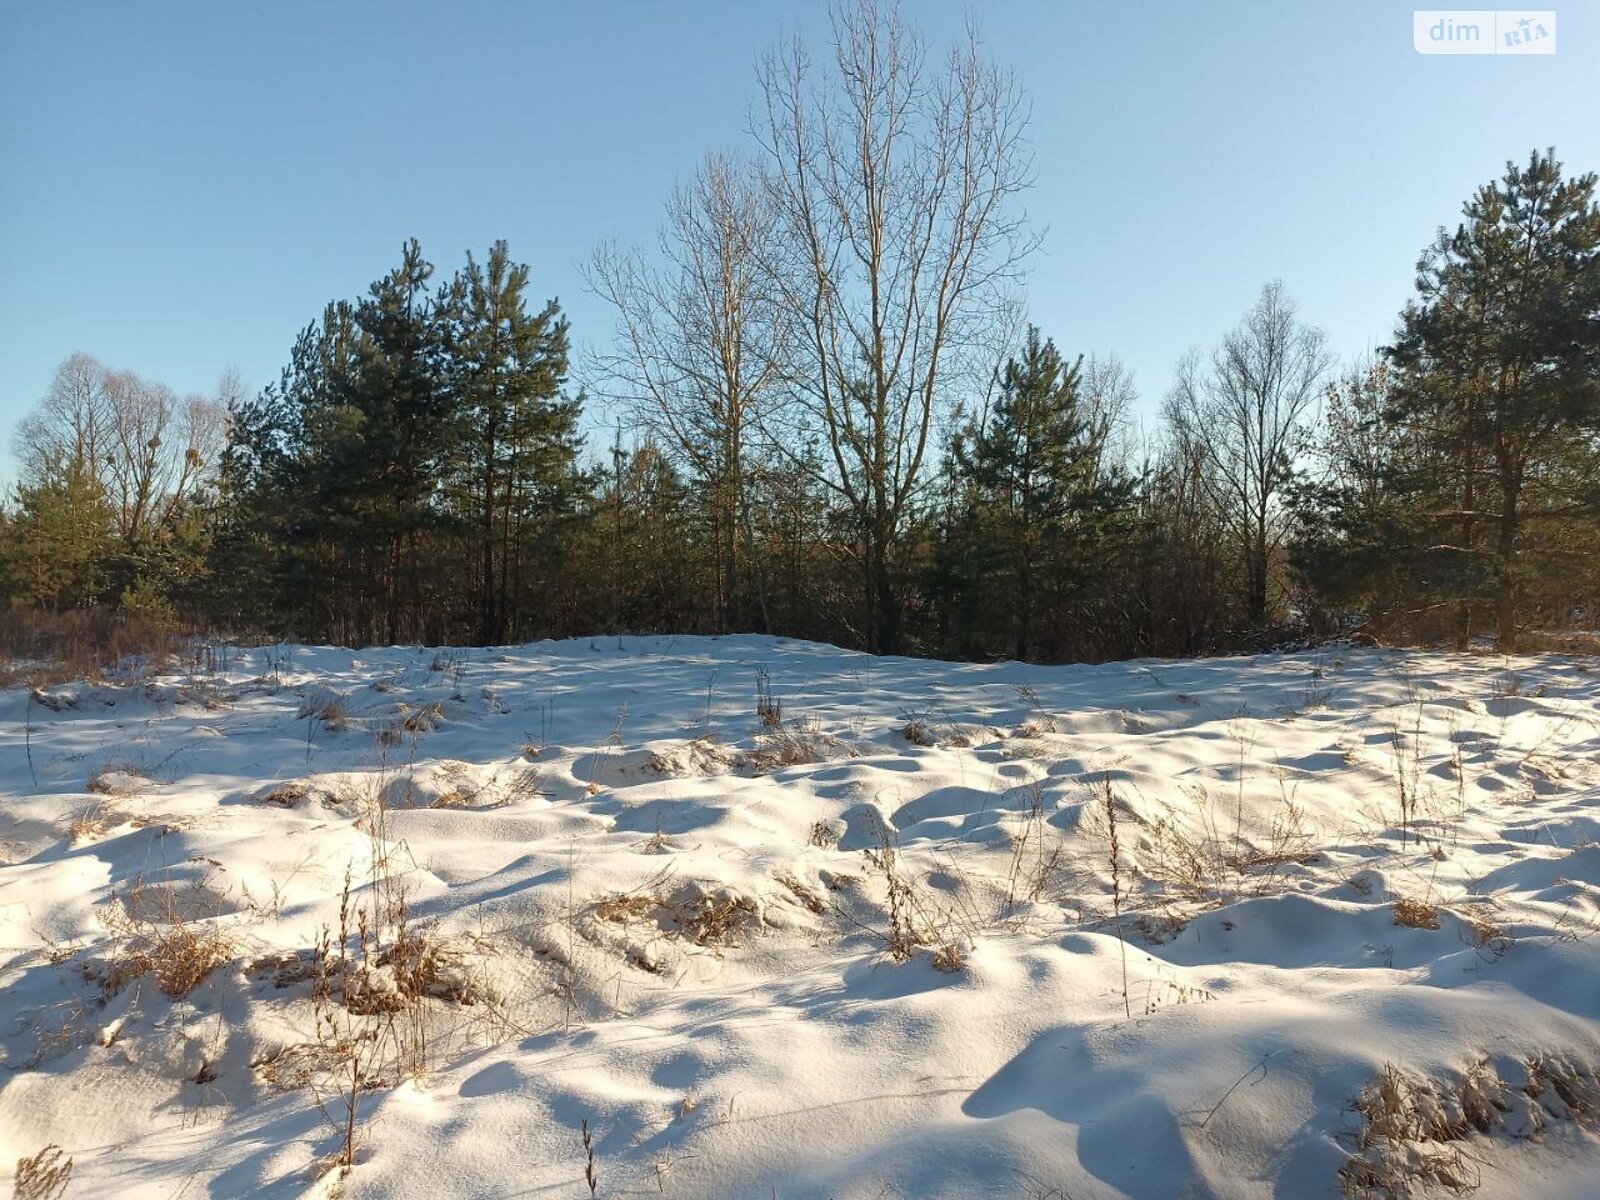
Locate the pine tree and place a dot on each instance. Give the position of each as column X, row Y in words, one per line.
column 1036, row 499
column 337, row 466
column 1498, row 361
column 516, row 450
column 1370, row 540
column 60, row 538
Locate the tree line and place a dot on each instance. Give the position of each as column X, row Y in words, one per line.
column 833, row 420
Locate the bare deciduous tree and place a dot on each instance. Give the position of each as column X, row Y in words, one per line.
column 148, row 449
column 159, row 448
column 894, row 176
column 1109, row 396
column 70, row 423
column 698, row 344
column 1247, row 410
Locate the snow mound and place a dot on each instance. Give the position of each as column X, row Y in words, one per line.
column 1310, row 924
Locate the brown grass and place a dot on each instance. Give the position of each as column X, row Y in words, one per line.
column 625, row 906
column 1486, row 935
column 914, row 922
column 422, row 966
column 791, row 746
column 1415, row 914
column 1415, row 1130
column 42, row 1176
column 700, row 914
column 424, row 719
column 292, row 1067
column 823, row 835
column 116, row 779
column 159, row 940
column 1560, row 643
column 769, row 709
column 287, row 794
column 1200, row 853
column 713, row 920
column 180, row 957
column 97, row 817
column 808, row 898
column 1410, row 1140
column 504, row 787
column 1565, row 1089
column 41, row 649
column 1036, row 853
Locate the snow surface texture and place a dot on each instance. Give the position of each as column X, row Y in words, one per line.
column 872, row 942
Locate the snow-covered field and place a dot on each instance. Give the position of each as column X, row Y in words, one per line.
column 1252, row 927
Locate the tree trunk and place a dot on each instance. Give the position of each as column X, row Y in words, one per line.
column 883, row 610
column 723, row 534
column 486, row 537
column 1469, row 501
column 1257, row 600
column 1024, row 609
column 1505, row 600
column 731, row 609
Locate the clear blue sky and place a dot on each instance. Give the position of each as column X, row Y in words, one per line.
column 183, row 186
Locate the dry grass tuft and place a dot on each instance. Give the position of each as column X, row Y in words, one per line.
column 914, row 922
column 424, row 719
column 948, row 957
column 1035, row 726
column 334, row 716
column 791, row 746
column 769, row 709
column 808, row 898
column 713, row 919
column 824, row 835
column 1036, row 853
column 159, row 940
column 624, row 907
column 117, row 779
column 97, row 817
column 371, row 979
column 287, row 968
column 1415, row 1130
column 414, row 966
column 42, row 1176
column 292, row 1067
column 1410, row 1140
column 1564, row 1089
column 1200, row 853
column 180, row 957
column 462, row 791
column 1415, row 914
column 701, row 914
column 287, row 794
column 1485, row 934
column 327, row 707
column 524, row 784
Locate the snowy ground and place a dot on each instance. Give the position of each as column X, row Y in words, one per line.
column 878, row 949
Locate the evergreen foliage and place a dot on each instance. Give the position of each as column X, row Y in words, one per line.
column 833, row 432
